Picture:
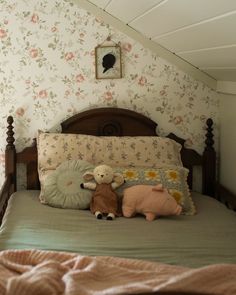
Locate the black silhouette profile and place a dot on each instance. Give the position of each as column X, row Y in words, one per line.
column 108, row 61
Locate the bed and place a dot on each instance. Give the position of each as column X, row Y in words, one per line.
column 186, row 244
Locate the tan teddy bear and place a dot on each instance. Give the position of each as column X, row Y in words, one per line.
column 104, row 200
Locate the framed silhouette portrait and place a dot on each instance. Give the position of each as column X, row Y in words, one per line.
column 108, row 62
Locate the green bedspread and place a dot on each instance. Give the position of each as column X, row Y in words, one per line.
column 206, row 238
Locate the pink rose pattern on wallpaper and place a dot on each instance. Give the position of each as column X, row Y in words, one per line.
column 47, row 73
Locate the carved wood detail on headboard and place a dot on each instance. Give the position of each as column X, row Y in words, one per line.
column 110, row 122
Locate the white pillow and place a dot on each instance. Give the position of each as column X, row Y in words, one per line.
column 124, row 151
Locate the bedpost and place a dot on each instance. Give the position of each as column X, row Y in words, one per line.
column 10, row 155
column 209, row 163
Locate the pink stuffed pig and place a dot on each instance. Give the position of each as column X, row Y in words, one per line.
column 151, row 201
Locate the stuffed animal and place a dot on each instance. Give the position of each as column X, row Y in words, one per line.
column 151, row 201
column 104, row 200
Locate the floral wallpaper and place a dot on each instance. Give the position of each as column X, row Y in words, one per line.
column 47, row 73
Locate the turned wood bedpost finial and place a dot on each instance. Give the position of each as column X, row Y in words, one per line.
column 209, row 162
column 10, row 154
column 209, row 135
column 10, row 133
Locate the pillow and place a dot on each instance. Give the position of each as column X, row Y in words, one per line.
column 61, row 188
column 125, row 151
column 146, row 151
column 174, row 178
column 56, row 148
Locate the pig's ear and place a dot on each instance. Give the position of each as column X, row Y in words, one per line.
column 158, row 188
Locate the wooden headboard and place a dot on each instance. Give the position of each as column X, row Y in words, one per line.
column 111, row 122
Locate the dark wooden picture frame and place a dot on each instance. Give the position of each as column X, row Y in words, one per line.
column 108, row 62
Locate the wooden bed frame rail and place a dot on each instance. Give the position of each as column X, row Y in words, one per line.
column 4, row 196
column 110, row 122
column 225, row 196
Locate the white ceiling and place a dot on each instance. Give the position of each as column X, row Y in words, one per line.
column 202, row 32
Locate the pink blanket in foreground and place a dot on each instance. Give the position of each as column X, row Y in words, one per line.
column 48, row 273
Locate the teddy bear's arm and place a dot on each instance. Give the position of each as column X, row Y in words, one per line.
column 118, row 180
column 89, row 185
column 115, row 185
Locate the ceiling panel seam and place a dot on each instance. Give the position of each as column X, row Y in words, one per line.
column 194, row 24
column 206, row 49
column 108, row 3
column 218, row 68
column 147, row 11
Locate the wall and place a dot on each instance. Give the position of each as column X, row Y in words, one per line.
column 47, row 74
column 228, row 141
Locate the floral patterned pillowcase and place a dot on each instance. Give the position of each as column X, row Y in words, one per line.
column 148, row 151
column 56, row 148
column 174, row 178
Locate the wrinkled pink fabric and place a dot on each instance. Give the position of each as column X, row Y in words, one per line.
column 47, row 273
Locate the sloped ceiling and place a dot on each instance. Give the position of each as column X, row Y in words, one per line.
column 202, row 32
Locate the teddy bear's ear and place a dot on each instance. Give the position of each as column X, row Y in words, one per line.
column 88, row 175
column 118, row 178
